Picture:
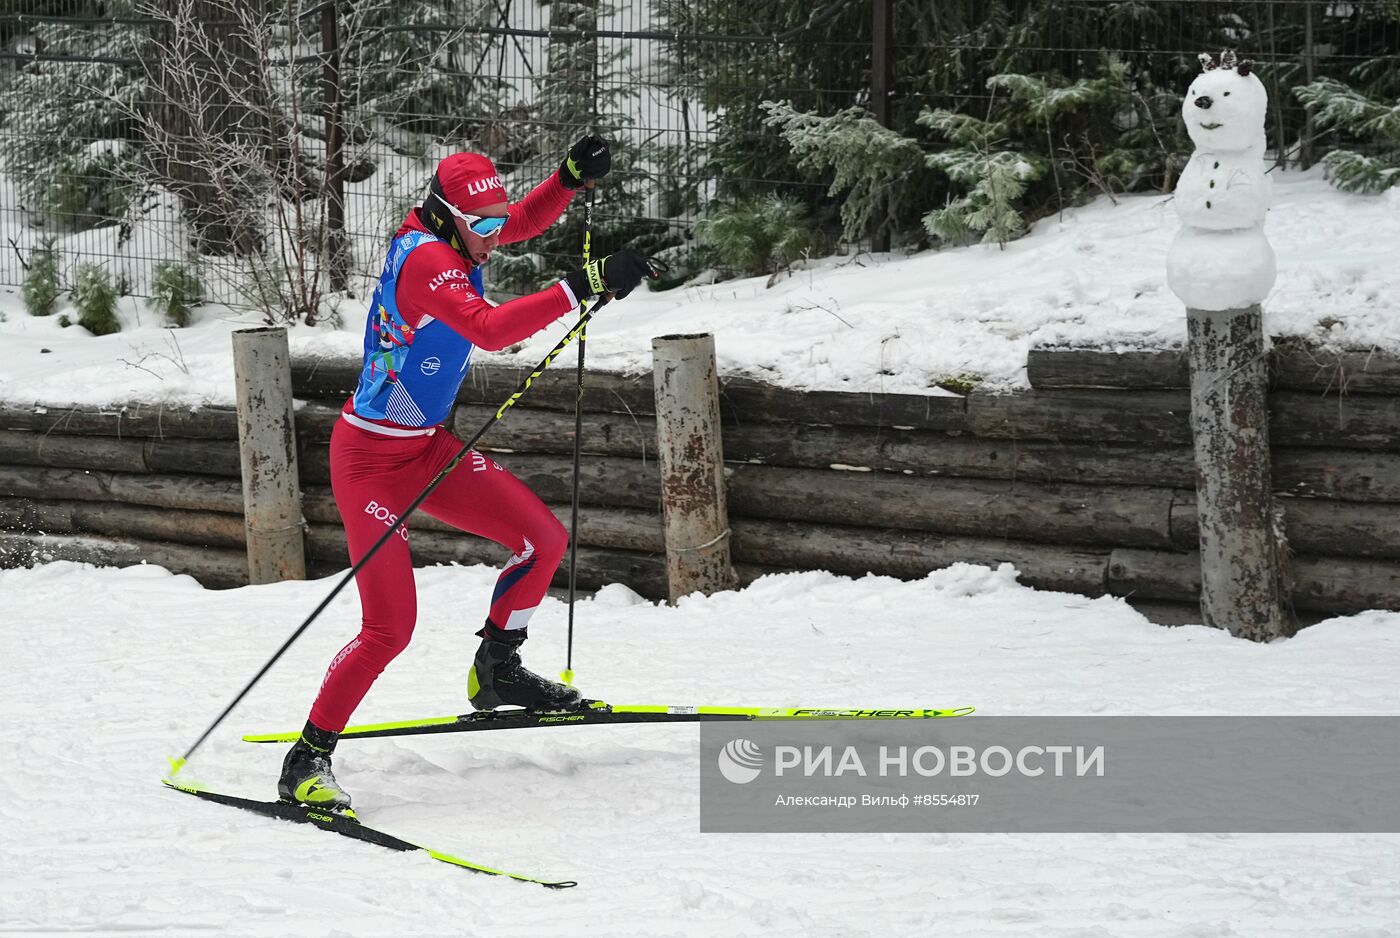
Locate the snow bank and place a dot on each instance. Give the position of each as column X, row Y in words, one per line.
column 1095, row 277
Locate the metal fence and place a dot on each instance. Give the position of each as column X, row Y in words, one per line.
column 674, row 83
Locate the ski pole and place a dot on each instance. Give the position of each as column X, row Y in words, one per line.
column 567, row 675
column 177, row 764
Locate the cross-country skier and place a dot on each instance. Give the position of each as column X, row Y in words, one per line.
column 427, row 316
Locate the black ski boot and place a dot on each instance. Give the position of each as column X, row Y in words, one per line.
column 498, row 678
column 306, row 772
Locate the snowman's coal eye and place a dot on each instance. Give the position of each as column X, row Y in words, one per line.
column 1227, row 94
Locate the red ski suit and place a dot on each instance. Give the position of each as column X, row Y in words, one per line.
column 378, row 467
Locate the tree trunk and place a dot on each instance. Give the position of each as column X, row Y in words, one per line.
column 337, row 247
column 202, row 72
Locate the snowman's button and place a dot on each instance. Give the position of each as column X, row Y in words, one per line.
column 1207, row 205
column 1217, row 164
column 1212, row 183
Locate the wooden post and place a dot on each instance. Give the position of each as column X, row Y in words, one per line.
column 267, row 446
column 692, row 465
column 1245, row 582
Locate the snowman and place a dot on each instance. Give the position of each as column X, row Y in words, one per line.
column 1220, row 258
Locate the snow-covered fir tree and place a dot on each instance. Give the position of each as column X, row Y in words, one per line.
column 1097, row 134
column 871, row 167
column 993, row 180
column 65, row 144
column 761, row 235
column 1369, row 116
column 419, row 66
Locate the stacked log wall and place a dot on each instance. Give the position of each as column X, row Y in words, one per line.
column 1085, row 482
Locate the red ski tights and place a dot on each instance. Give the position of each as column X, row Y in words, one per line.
column 374, row 478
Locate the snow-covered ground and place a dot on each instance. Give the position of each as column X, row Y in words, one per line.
column 108, row 672
column 866, row 323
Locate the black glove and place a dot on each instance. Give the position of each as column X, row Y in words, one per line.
column 618, row 274
column 587, row 159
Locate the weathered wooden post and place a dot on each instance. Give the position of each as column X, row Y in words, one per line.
column 1244, row 566
column 692, row 465
column 1222, row 267
column 267, row 445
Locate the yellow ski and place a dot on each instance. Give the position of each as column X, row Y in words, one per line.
column 599, row 713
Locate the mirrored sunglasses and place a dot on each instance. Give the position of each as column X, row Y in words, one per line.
column 485, row 227
column 482, row 226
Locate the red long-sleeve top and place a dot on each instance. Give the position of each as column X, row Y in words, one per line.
column 433, row 281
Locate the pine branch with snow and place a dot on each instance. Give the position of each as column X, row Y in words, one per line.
column 759, row 235
column 962, row 129
column 996, row 181
column 870, row 165
column 1371, row 120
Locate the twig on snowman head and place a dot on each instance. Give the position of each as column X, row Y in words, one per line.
column 1227, row 60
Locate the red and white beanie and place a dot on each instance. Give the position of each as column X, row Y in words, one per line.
column 469, row 181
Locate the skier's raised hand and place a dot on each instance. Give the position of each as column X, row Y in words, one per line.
column 588, row 159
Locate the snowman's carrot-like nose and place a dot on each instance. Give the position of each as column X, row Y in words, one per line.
column 1204, row 102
